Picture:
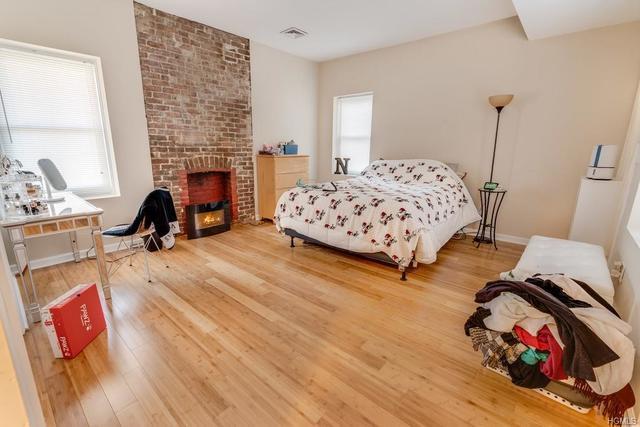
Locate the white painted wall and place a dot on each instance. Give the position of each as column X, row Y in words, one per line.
column 625, row 248
column 105, row 29
column 430, row 100
column 284, row 97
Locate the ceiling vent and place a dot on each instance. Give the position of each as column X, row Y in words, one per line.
column 293, row 33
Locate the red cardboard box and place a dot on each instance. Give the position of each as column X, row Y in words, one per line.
column 76, row 318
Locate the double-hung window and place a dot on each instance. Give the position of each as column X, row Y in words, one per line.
column 53, row 106
column 352, row 116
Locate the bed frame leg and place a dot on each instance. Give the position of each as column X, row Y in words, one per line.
column 292, row 244
column 404, row 274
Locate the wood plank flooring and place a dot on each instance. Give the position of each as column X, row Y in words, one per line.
column 243, row 330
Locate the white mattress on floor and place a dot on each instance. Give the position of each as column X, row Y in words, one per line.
column 581, row 261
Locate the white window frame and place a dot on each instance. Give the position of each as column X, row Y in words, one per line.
column 336, row 125
column 633, row 222
column 102, row 103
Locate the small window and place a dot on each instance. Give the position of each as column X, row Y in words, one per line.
column 53, row 106
column 352, row 129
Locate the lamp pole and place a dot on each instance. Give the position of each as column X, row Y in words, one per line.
column 495, row 142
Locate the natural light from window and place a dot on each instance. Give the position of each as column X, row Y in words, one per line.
column 55, row 108
column 634, row 218
column 352, row 115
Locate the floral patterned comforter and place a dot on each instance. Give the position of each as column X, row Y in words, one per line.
column 386, row 209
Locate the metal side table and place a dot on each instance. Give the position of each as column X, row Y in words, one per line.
column 490, row 202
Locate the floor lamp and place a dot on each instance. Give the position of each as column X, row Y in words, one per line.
column 498, row 102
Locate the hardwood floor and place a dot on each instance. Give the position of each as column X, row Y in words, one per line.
column 242, row 330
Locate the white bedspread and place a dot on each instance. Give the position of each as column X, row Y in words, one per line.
column 403, row 208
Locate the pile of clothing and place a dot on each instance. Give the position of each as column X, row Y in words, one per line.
column 551, row 327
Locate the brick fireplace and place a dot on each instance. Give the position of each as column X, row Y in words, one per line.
column 213, row 182
column 197, row 91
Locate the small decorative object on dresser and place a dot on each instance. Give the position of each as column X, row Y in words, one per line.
column 277, row 174
column 490, row 201
column 342, row 165
column 290, row 148
column 269, row 150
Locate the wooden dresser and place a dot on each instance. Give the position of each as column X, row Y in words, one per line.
column 277, row 174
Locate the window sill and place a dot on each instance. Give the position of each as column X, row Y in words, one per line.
column 101, row 196
column 350, row 174
column 341, row 177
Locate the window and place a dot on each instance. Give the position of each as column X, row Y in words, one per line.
column 352, row 129
column 633, row 224
column 54, row 107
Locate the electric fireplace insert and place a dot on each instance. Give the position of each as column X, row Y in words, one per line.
column 206, row 219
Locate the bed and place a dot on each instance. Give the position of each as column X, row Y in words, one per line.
column 399, row 211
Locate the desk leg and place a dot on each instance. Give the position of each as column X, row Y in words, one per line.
column 102, row 263
column 26, row 277
column 73, row 237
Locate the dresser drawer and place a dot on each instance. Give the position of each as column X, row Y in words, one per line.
column 288, row 180
column 292, row 164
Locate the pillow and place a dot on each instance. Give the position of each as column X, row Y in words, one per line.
column 410, row 171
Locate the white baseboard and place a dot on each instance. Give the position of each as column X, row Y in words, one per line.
column 62, row 258
column 505, row 238
column 112, row 247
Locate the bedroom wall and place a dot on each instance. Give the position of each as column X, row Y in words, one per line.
column 625, row 247
column 430, row 100
column 105, row 29
column 284, row 96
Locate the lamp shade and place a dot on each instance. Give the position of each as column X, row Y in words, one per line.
column 499, row 101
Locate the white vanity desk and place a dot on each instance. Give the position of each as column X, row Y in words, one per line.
column 67, row 216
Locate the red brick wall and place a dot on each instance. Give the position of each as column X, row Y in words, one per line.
column 197, row 91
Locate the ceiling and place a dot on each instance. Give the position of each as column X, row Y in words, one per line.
column 546, row 18
column 337, row 27
column 343, row 27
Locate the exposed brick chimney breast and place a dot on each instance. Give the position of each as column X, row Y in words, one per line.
column 197, row 90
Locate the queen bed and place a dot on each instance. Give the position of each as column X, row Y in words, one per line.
column 398, row 211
